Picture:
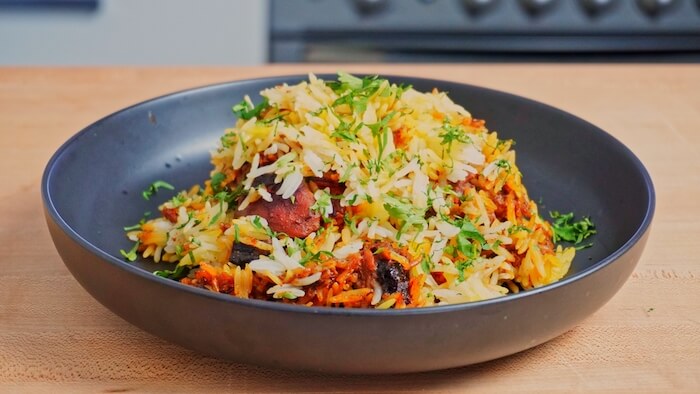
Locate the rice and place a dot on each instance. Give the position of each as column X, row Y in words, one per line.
column 399, row 198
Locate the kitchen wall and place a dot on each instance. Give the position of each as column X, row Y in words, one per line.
column 138, row 32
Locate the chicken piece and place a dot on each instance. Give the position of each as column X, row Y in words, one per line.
column 292, row 216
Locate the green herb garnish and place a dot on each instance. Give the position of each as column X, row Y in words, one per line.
column 503, row 164
column 190, row 215
column 355, row 91
column 216, row 180
column 179, row 272
column 246, row 111
column 131, row 254
column 236, row 233
column 461, row 266
column 468, row 233
column 350, row 223
column 426, row 264
column 257, row 223
column 347, row 173
column 153, row 189
column 406, row 212
column 272, row 119
column 323, row 203
column 565, row 229
column 381, row 132
column 288, row 295
column 451, row 133
column 221, row 197
column 136, row 226
column 347, row 131
column 315, row 256
column 178, row 200
column 515, row 229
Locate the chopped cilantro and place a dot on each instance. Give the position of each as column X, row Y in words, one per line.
column 355, row 92
column 189, row 217
column 503, row 164
column 426, row 264
column 461, row 266
column 451, row 134
column 318, row 111
column 153, row 189
column 350, row 223
column 235, row 194
column 221, row 197
column 403, row 210
column 381, row 132
column 228, row 139
column 216, row 180
column 131, row 254
column 230, row 197
column 288, row 295
column 501, row 143
column 467, row 233
column 566, row 230
column 515, row 229
column 315, row 256
column 347, row 131
column 469, row 241
column 401, row 88
column 257, row 223
column 236, row 233
column 246, row 111
column 179, row 199
column 351, row 81
column 346, row 174
column 352, row 200
column 347, row 82
column 492, row 246
column 178, row 273
column 272, row 119
column 323, row 203
column 138, row 225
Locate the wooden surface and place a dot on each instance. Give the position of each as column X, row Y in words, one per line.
column 55, row 337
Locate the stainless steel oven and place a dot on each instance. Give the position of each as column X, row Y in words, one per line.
column 484, row 30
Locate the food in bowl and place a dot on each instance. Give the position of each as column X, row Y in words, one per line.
column 357, row 193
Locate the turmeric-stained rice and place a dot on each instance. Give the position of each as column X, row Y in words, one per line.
column 357, row 193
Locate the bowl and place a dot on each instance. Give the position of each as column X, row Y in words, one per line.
column 92, row 186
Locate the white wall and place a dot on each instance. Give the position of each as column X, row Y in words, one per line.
column 138, row 32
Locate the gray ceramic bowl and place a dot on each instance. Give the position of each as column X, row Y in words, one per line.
column 91, row 189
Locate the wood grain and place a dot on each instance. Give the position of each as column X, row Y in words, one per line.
column 55, row 337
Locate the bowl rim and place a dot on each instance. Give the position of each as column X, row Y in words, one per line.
column 108, row 258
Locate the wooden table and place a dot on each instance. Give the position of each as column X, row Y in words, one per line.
column 55, row 337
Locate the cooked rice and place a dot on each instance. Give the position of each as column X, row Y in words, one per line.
column 427, row 187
